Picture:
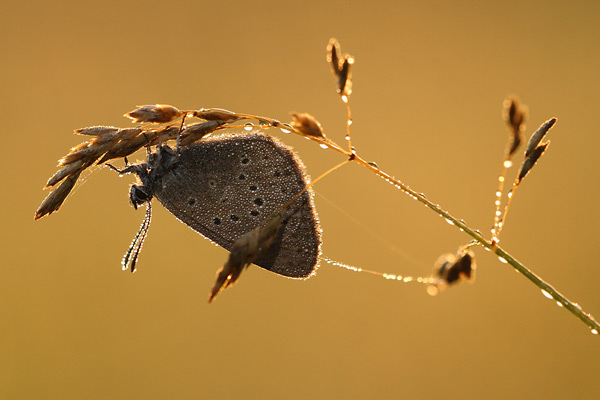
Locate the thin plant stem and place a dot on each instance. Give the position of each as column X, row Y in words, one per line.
column 323, row 175
column 346, row 101
column 574, row 308
column 547, row 289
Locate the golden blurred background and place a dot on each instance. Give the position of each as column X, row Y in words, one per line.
column 429, row 81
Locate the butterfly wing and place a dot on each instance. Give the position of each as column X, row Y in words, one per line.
column 226, row 186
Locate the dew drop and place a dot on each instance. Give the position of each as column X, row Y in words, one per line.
column 498, row 193
column 558, row 303
column 284, row 130
column 248, row 126
column 449, row 221
column 507, row 164
column 594, row 331
column 502, row 260
column 349, row 122
column 546, row 294
column 432, row 290
column 324, row 146
column 501, row 179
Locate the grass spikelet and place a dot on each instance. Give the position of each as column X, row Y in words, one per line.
column 243, row 252
column 55, row 199
column 195, row 132
column 307, row 125
column 156, row 113
column 96, row 130
column 216, row 114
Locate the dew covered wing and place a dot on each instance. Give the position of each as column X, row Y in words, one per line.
column 226, row 186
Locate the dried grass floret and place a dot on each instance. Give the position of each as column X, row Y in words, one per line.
column 452, row 269
column 155, row 113
column 96, row 130
column 515, row 116
column 243, row 253
column 531, row 160
column 538, row 135
column 54, row 200
column 307, row 125
column 341, row 67
column 195, row 132
column 216, row 114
